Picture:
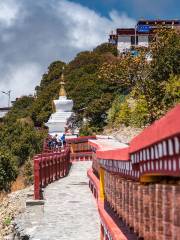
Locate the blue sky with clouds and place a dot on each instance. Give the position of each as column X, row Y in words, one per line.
column 33, row 33
column 136, row 8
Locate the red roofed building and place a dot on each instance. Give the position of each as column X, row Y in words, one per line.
column 139, row 36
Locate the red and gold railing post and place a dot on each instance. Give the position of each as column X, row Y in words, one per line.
column 36, row 179
column 102, row 183
column 49, row 167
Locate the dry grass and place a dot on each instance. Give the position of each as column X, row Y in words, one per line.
column 2, row 195
column 18, row 184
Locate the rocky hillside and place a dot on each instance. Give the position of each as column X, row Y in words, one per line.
column 10, row 206
column 123, row 134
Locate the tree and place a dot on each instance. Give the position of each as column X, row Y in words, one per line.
column 123, row 71
column 171, row 91
column 84, row 86
column 166, row 54
column 48, row 90
column 96, row 112
column 106, row 48
column 53, row 74
column 154, row 85
column 8, row 169
column 21, row 109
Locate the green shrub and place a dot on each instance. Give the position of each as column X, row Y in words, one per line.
column 140, row 113
column 87, row 130
column 106, row 48
column 113, row 112
column 7, row 221
column 124, row 115
column 28, row 172
column 8, row 169
column 23, row 141
column 19, row 141
column 172, row 91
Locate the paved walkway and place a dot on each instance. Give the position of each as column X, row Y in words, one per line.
column 105, row 143
column 69, row 212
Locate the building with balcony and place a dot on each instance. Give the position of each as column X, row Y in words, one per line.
column 141, row 35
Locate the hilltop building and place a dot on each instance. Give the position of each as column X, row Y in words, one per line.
column 140, row 36
column 62, row 112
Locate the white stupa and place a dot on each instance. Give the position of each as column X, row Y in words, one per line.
column 62, row 112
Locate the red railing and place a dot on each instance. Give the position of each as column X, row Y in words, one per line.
column 81, row 156
column 54, row 164
column 49, row 167
column 109, row 228
column 141, row 182
column 80, row 139
column 80, row 148
column 155, row 151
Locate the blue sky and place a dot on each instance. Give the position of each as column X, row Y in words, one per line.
column 33, row 33
column 136, row 8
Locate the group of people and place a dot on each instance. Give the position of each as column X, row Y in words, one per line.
column 57, row 141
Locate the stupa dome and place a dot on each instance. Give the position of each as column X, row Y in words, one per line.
column 62, row 108
column 63, row 104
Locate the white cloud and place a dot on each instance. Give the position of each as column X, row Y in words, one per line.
column 121, row 20
column 35, row 33
column 9, row 11
column 85, row 27
column 21, row 80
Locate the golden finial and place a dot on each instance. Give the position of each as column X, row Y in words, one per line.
column 62, row 92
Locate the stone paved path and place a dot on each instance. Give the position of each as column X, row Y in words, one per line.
column 69, row 212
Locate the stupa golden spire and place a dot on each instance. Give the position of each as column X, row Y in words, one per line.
column 62, row 91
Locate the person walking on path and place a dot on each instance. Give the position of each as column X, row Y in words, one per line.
column 63, row 140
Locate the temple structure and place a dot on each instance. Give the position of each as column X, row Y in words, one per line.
column 62, row 112
column 127, row 39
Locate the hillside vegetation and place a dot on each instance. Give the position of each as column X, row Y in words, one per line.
column 107, row 90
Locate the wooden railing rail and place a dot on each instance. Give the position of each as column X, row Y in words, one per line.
column 140, row 183
column 81, row 156
column 154, row 152
column 54, row 163
column 49, row 167
column 109, row 229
